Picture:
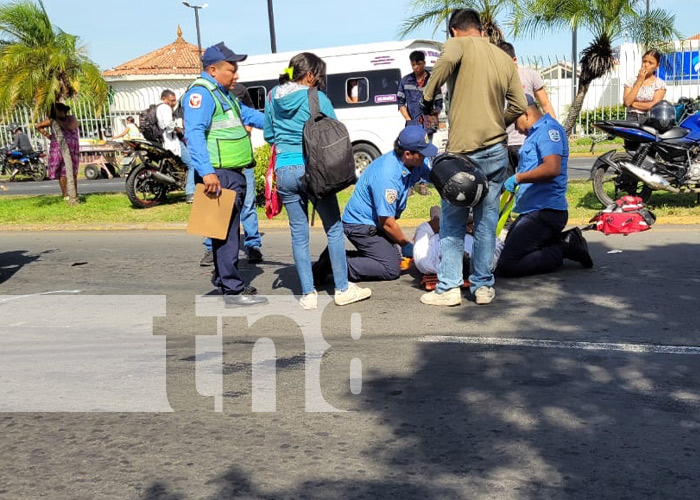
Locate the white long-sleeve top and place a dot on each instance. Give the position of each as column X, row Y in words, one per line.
column 426, row 249
column 164, row 113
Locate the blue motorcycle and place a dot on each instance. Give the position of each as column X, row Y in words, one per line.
column 17, row 163
column 658, row 155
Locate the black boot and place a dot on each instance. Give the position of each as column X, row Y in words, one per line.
column 574, row 247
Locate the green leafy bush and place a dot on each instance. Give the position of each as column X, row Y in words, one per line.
column 262, row 159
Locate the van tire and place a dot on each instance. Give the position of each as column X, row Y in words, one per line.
column 364, row 154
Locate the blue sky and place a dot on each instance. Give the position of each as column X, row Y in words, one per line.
column 116, row 32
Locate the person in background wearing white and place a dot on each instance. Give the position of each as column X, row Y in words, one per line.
column 645, row 89
column 167, row 123
column 131, row 131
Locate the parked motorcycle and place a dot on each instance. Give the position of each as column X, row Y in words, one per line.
column 158, row 173
column 17, row 163
column 657, row 156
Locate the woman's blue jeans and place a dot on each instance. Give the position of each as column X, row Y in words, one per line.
column 291, row 189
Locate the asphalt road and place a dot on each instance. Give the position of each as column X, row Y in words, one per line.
column 579, row 168
column 575, row 385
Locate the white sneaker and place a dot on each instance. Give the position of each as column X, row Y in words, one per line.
column 309, row 301
column 452, row 297
column 353, row 294
column 484, row 295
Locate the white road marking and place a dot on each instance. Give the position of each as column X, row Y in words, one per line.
column 15, row 297
column 562, row 344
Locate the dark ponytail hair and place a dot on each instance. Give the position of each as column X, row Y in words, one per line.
column 55, row 108
column 653, row 53
column 301, row 64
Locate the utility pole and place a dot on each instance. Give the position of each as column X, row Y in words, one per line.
column 574, row 67
column 196, row 9
column 271, row 19
column 646, row 28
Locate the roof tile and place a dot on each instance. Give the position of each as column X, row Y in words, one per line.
column 180, row 57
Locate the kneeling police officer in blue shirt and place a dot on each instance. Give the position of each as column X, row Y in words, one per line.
column 535, row 243
column 220, row 147
column 379, row 199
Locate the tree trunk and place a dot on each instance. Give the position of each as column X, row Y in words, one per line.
column 575, row 109
column 71, row 181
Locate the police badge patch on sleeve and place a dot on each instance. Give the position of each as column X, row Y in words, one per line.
column 195, row 100
column 554, row 135
column 390, row 195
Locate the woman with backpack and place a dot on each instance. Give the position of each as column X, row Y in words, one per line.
column 286, row 112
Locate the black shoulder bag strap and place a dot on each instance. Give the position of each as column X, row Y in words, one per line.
column 314, row 106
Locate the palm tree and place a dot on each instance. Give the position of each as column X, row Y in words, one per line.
column 436, row 12
column 607, row 20
column 40, row 65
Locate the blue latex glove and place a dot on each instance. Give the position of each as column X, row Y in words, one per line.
column 510, row 184
column 407, row 251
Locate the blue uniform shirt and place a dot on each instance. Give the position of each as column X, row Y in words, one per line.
column 382, row 190
column 199, row 106
column 546, row 137
column 410, row 95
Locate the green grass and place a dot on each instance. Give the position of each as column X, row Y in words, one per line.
column 107, row 209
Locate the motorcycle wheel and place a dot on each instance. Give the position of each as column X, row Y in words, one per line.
column 142, row 190
column 39, row 171
column 610, row 186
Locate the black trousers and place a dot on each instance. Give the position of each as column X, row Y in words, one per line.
column 513, row 159
column 226, row 275
column 532, row 244
column 376, row 258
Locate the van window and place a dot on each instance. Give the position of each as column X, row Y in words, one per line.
column 356, row 90
column 257, row 95
column 257, row 90
column 374, row 88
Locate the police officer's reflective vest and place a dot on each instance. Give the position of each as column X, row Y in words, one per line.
column 228, row 142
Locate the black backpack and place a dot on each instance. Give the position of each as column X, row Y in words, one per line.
column 148, row 125
column 330, row 165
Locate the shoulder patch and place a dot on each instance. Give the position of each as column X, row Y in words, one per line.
column 195, row 100
column 554, row 135
column 390, row 195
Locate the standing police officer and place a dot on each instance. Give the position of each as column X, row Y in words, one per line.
column 535, row 242
column 220, row 148
column 379, row 199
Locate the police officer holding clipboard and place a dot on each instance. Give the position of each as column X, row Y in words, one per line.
column 220, row 148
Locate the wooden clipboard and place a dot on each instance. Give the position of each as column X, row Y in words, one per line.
column 211, row 217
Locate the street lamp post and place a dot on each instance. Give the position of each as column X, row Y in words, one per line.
column 271, row 20
column 196, row 9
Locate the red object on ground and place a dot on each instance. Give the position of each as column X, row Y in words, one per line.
column 430, row 281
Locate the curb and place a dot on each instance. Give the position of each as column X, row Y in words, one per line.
column 265, row 225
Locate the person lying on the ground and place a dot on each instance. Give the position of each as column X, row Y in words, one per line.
column 370, row 217
column 535, row 243
column 426, row 244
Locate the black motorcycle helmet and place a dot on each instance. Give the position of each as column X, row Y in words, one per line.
column 662, row 116
column 458, row 180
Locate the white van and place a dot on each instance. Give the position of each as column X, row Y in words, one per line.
column 372, row 70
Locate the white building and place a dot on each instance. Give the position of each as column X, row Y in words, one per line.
column 138, row 83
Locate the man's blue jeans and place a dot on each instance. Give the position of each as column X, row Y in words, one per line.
column 493, row 162
column 249, row 216
column 296, row 201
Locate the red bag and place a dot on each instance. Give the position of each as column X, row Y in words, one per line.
column 627, row 215
column 273, row 204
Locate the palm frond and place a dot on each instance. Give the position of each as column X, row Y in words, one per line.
column 40, row 64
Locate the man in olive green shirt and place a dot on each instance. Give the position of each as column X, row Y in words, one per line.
column 481, row 80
